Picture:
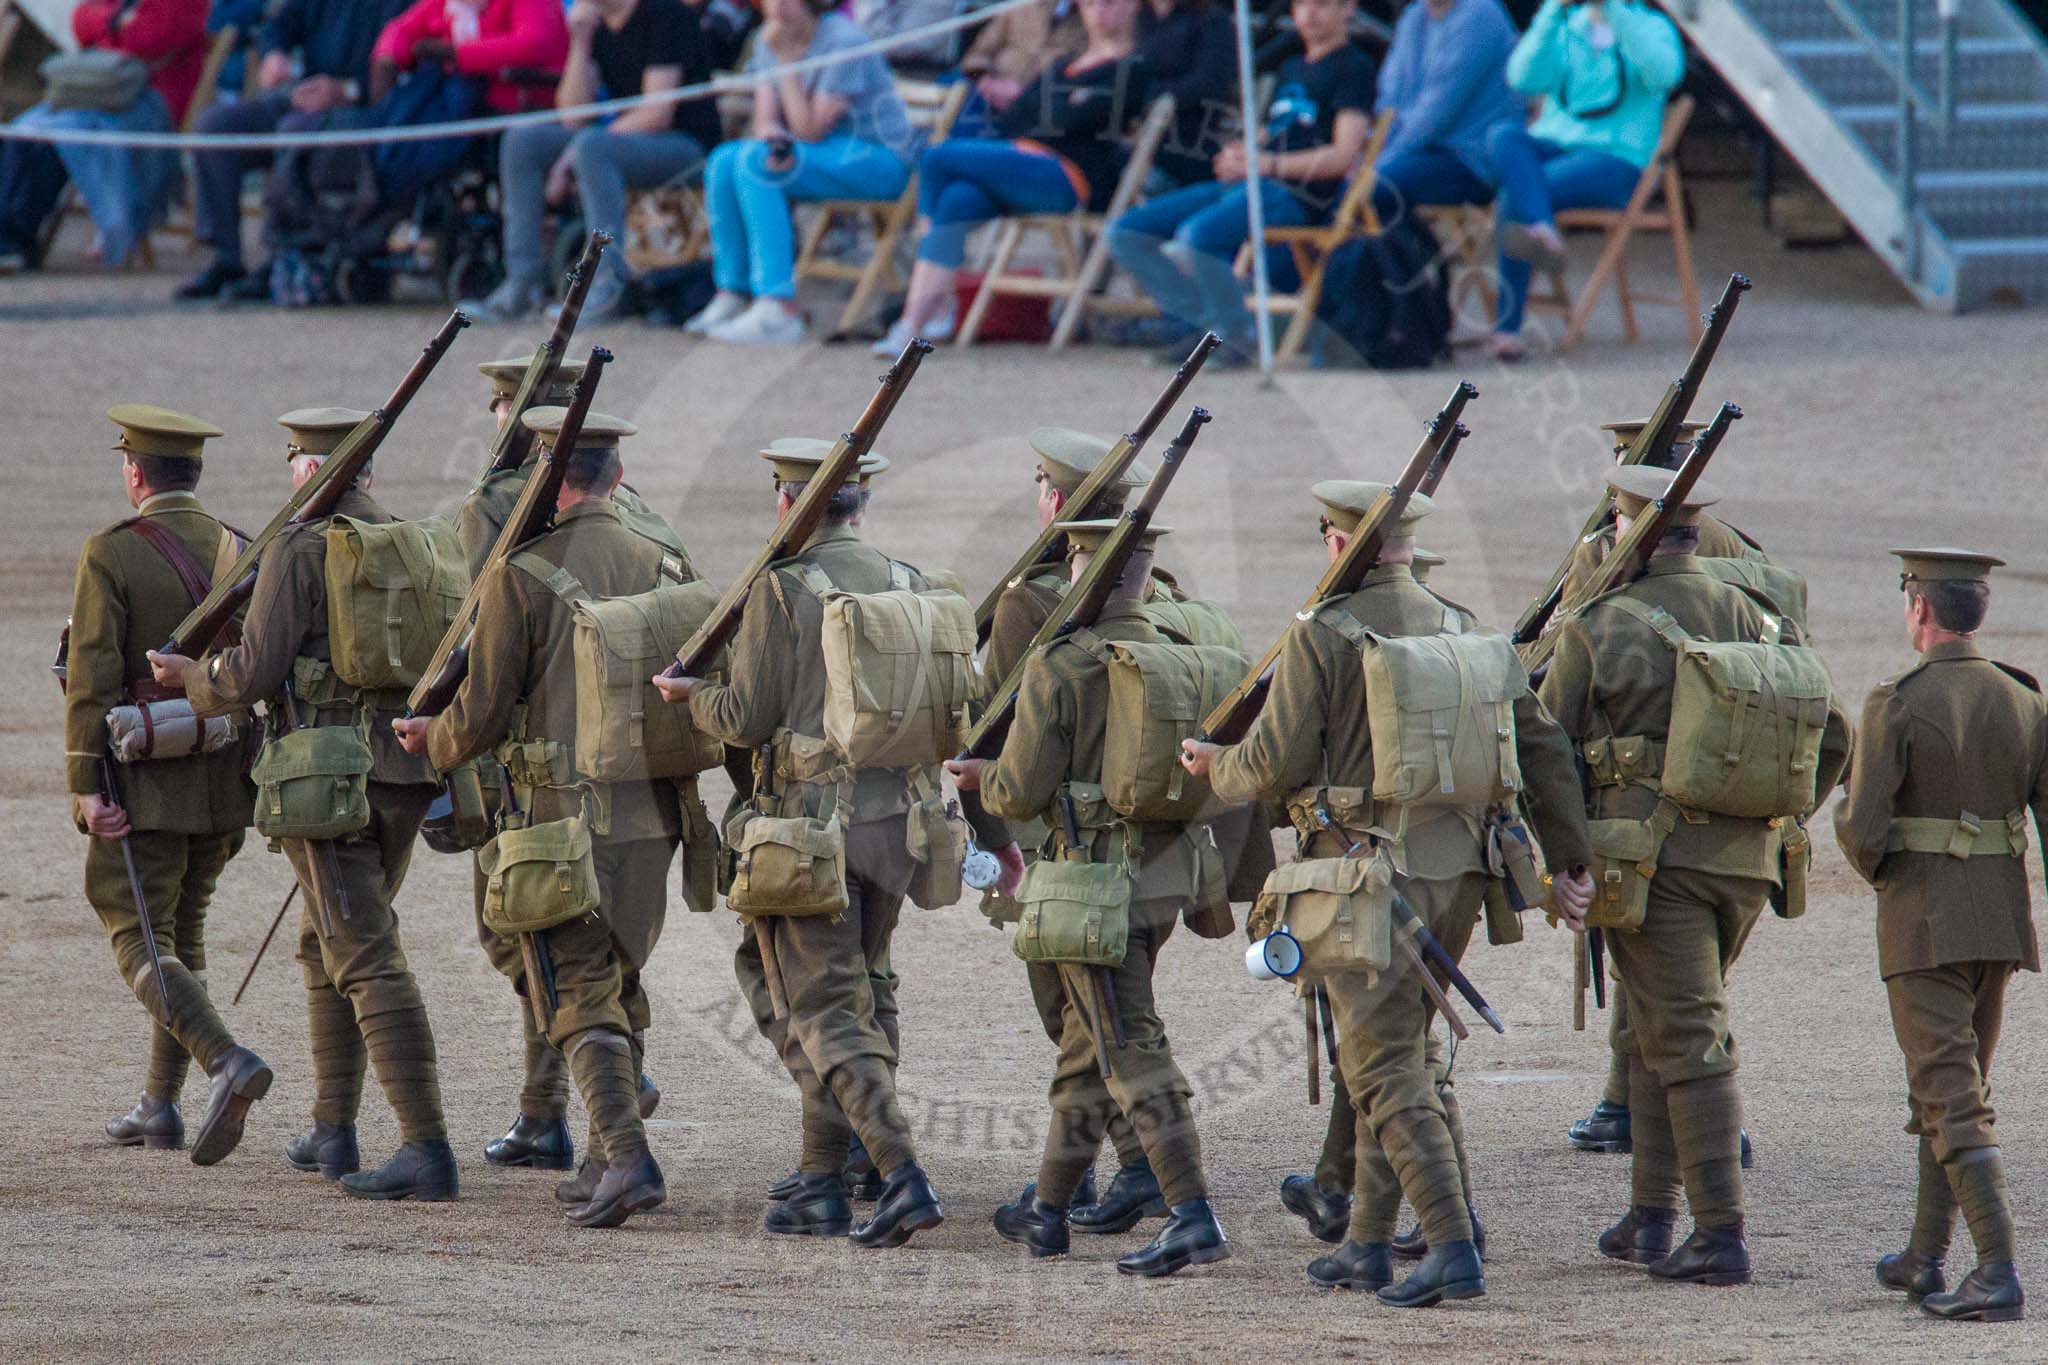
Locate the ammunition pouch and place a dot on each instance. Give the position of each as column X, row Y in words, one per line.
column 1341, row 910
column 1352, row 808
column 313, row 783
column 1624, row 861
column 936, row 839
column 538, row 877
column 1788, row 898
column 785, row 866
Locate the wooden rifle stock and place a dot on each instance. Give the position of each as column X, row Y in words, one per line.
column 1630, row 553
column 311, row 501
column 795, row 530
column 1235, row 713
column 1085, row 600
column 530, row 516
column 1084, row 505
column 1655, row 438
column 514, row 441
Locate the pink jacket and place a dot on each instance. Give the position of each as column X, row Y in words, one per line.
column 512, row 33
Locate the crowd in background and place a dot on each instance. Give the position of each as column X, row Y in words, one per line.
column 1564, row 112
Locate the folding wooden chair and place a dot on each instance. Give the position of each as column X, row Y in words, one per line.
column 933, row 108
column 1465, row 234
column 667, row 227
column 1311, row 246
column 1079, row 241
column 1621, row 224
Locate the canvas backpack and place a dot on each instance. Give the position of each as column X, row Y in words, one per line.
column 1158, row 696
column 1746, row 721
column 393, row 589
column 899, row 671
column 1441, row 713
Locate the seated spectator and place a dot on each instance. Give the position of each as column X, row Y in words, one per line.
column 1011, row 50
column 1062, row 148
column 1603, row 70
column 1190, row 52
column 1445, row 79
column 830, row 132
column 488, row 39
column 887, row 18
column 624, row 47
column 124, row 188
column 316, row 59
column 1181, row 247
column 246, row 18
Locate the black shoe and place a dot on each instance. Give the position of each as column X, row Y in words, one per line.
column 1084, row 1195
column 908, row 1205
column 1036, row 1226
column 1192, row 1236
column 1327, row 1212
column 650, row 1097
column 330, row 1149
column 1642, row 1237
column 238, row 1080
column 785, row 1187
column 542, row 1144
column 863, row 1181
column 253, row 287
column 208, row 283
column 817, row 1207
column 1355, row 1265
column 1133, row 1194
column 1451, row 1271
column 419, row 1170
column 1748, row 1156
column 1990, row 1293
column 1711, row 1256
column 1413, row 1246
column 1913, row 1273
column 1606, row 1129
column 152, row 1123
column 581, row 1187
column 630, row 1185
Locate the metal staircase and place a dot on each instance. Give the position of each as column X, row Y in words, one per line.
column 1966, row 222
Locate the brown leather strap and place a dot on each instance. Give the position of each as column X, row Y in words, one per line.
column 197, row 578
column 146, row 690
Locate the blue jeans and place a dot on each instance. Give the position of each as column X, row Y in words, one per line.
column 607, row 163
column 1206, row 224
column 965, row 182
column 1538, row 177
column 1423, row 176
column 752, row 248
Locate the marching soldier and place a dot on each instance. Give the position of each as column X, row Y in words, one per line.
column 1313, row 737
column 539, row 1135
column 839, row 1040
column 1610, row 684
column 1055, row 742
column 1065, row 460
column 181, row 819
column 521, row 690
column 1606, row 1128
column 362, row 1003
column 1951, row 756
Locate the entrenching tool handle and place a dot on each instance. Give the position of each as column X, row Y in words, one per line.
column 771, row 970
column 110, row 789
column 264, row 946
column 1315, row 1061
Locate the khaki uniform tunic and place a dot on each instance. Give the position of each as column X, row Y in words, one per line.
column 1313, row 732
column 1957, row 733
column 187, row 814
column 522, row 669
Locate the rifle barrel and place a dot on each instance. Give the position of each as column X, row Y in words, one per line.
column 514, row 441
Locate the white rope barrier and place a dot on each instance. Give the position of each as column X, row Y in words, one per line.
column 428, row 132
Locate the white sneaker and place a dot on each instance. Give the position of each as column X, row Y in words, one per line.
column 939, row 329
column 765, row 323
column 724, row 307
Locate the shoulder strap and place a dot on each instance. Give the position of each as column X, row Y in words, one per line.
column 1656, row 618
column 558, row 581
column 1094, row 644
column 815, row 578
column 899, row 577
column 196, row 577
column 1344, row 623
